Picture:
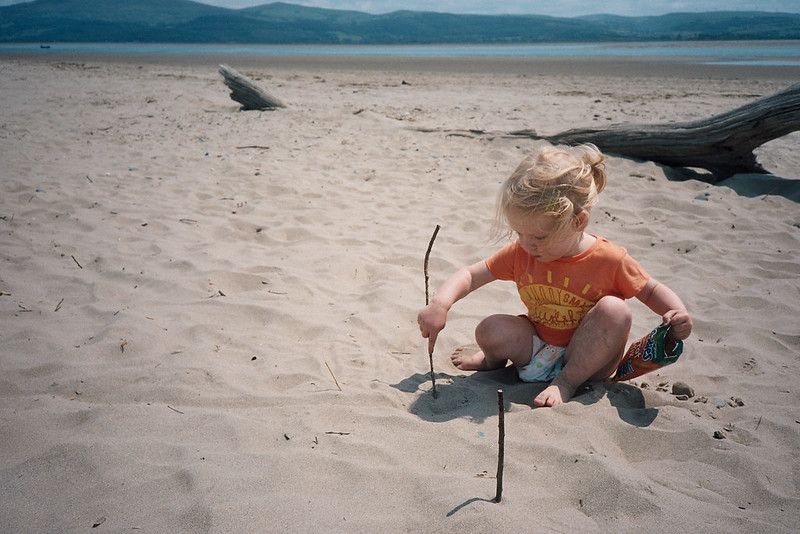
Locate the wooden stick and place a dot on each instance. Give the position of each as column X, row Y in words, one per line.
column 332, row 375
column 427, row 301
column 501, row 438
column 433, row 376
column 427, row 257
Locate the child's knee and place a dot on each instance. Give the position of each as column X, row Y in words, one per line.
column 506, row 331
column 614, row 313
column 486, row 333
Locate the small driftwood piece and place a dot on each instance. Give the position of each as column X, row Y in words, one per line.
column 248, row 94
column 722, row 144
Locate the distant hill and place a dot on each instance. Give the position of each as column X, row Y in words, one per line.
column 183, row 21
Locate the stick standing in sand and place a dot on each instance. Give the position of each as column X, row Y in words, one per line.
column 573, row 284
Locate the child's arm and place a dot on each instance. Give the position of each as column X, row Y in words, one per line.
column 433, row 317
column 663, row 301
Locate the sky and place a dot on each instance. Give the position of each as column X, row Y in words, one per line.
column 556, row 8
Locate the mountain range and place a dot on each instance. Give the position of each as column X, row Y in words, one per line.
column 183, row 21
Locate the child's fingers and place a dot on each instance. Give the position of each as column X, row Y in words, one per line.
column 431, row 343
column 431, row 334
column 674, row 318
column 680, row 323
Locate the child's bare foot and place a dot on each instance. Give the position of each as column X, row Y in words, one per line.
column 552, row 395
column 472, row 361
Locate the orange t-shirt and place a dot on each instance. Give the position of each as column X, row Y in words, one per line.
column 560, row 293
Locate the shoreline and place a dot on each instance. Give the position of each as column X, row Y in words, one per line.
column 615, row 67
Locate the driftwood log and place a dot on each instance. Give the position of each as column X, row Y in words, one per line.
column 248, row 94
column 722, row 144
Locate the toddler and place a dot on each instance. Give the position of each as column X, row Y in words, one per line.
column 574, row 285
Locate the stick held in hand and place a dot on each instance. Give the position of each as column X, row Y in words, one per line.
column 427, row 301
column 427, row 257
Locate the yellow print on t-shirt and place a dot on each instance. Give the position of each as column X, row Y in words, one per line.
column 554, row 307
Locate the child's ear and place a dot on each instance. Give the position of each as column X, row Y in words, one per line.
column 581, row 221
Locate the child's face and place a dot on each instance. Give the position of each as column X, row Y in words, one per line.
column 540, row 236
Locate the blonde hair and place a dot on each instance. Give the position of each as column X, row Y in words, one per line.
column 554, row 182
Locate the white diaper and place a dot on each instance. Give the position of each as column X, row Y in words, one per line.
column 546, row 362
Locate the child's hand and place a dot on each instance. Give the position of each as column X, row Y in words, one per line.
column 432, row 319
column 680, row 323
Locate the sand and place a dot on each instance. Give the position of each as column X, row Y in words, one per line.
column 209, row 316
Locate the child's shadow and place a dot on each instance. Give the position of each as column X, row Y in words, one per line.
column 462, row 396
column 474, row 396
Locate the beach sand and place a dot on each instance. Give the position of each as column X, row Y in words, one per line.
column 209, row 316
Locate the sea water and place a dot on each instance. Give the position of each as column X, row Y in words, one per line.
column 768, row 53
